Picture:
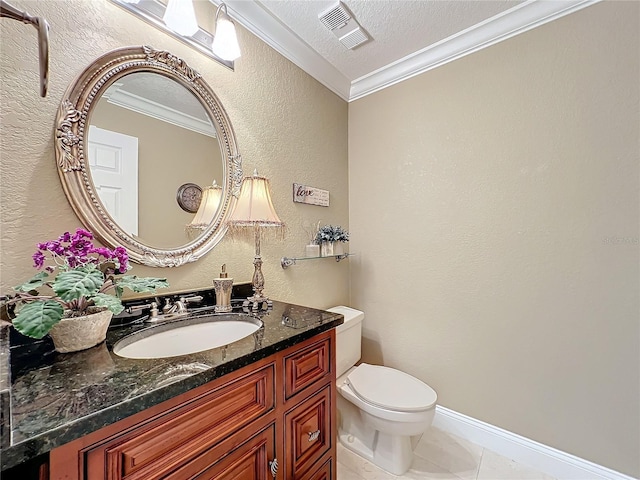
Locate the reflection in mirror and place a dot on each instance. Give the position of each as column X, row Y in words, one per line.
column 164, row 138
column 209, row 204
column 139, row 135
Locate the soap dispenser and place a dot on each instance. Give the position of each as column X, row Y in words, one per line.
column 223, row 286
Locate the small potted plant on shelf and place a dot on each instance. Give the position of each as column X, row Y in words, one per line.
column 331, row 239
column 82, row 286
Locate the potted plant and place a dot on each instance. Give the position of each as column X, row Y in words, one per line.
column 331, row 239
column 82, row 285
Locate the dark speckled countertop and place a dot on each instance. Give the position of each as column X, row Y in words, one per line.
column 49, row 399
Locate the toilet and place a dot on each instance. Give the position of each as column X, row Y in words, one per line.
column 382, row 411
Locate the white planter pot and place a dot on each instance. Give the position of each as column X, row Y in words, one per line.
column 79, row 333
column 312, row 251
column 326, row 249
column 338, row 248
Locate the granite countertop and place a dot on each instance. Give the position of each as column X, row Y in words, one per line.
column 49, row 399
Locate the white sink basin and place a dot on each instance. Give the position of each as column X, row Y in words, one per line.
column 187, row 336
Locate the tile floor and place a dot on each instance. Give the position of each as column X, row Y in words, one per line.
column 441, row 456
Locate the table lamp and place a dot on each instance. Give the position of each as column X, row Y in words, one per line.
column 254, row 214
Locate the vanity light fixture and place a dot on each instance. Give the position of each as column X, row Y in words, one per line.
column 254, row 214
column 208, row 207
column 225, row 41
column 180, row 17
column 153, row 12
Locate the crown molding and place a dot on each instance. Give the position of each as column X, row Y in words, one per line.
column 259, row 21
column 512, row 22
column 519, row 19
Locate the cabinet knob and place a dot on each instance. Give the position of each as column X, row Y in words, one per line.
column 273, row 466
column 314, row 435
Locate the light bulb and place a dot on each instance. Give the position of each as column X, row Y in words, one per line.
column 180, row 17
column 225, row 42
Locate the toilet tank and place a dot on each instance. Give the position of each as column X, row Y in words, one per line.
column 348, row 338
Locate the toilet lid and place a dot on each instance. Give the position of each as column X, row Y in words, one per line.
column 391, row 389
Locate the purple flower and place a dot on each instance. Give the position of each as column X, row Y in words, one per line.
column 73, row 261
column 55, row 247
column 80, row 233
column 80, row 246
column 77, row 249
column 121, row 255
column 102, row 251
column 38, row 259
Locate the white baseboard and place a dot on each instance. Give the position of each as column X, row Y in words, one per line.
column 551, row 461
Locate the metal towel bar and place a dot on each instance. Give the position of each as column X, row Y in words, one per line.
column 9, row 11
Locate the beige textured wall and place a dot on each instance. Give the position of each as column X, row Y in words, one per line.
column 494, row 207
column 162, row 146
column 288, row 126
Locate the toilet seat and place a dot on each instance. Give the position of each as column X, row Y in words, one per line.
column 390, row 389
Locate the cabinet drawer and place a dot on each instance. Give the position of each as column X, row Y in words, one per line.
column 322, row 473
column 308, row 433
column 153, row 450
column 306, row 366
column 248, row 461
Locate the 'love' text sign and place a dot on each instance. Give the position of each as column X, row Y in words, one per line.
column 310, row 195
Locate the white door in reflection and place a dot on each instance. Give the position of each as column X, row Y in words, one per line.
column 113, row 158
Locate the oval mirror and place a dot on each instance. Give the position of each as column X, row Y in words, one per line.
column 140, row 136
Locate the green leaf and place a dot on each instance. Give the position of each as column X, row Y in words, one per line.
column 35, row 319
column 80, row 282
column 148, row 284
column 112, row 303
column 37, row 281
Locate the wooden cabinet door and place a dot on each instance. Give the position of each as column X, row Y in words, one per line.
column 248, row 461
column 308, row 433
column 323, row 473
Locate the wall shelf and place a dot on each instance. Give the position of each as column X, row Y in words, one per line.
column 286, row 262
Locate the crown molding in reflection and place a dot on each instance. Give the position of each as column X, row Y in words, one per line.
column 142, row 105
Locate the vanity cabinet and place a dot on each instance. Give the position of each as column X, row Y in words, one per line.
column 272, row 419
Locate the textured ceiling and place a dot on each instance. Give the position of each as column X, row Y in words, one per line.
column 397, row 27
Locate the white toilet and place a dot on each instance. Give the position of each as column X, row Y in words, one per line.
column 381, row 410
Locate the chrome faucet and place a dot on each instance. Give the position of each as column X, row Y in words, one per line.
column 169, row 310
column 179, row 307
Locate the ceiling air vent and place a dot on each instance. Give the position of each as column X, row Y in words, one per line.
column 344, row 26
column 354, row 38
column 335, row 17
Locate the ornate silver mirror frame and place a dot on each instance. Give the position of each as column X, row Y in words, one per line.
column 71, row 134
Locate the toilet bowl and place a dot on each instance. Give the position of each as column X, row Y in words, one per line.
column 382, row 411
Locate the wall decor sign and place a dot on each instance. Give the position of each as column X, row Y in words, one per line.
column 310, row 195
